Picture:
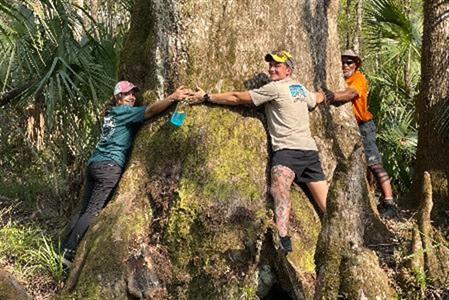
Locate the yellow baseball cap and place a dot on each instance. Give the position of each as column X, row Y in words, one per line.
column 281, row 57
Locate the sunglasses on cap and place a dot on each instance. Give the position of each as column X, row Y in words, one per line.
column 347, row 62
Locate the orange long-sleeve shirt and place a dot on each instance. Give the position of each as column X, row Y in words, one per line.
column 360, row 104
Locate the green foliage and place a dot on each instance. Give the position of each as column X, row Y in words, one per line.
column 391, row 30
column 48, row 60
column 58, row 65
column 421, row 278
column 47, row 48
column 28, row 170
column 346, row 21
column 30, row 249
column 399, row 140
column 48, row 257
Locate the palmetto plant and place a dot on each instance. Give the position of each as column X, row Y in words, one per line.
column 57, row 64
column 46, row 49
column 392, row 43
column 390, row 28
column 399, row 139
column 48, row 60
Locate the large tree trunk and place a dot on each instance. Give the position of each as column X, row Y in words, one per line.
column 433, row 152
column 192, row 217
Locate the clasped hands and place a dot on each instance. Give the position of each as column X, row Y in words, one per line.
column 191, row 97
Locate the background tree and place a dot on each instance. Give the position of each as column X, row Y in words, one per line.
column 431, row 105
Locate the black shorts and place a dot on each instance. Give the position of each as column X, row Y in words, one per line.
column 368, row 132
column 305, row 163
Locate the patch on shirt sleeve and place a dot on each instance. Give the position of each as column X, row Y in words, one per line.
column 296, row 90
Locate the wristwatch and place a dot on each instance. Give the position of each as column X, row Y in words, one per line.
column 206, row 97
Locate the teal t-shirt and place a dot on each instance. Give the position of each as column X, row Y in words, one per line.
column 119, row 126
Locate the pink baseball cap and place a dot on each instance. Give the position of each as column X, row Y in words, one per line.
column 124, row 87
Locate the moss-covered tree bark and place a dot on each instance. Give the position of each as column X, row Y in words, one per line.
column 348, row 227
column 191, row 218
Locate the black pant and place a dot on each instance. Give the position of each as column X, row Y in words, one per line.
column 101, row 179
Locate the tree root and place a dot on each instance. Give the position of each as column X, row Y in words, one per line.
column 435, row 247
column 345, row 268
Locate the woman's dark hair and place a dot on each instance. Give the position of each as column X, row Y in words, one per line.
column 112, row 102
column 109, row 104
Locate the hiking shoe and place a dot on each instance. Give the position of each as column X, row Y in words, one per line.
column 286, row 243
column 67, row 258
column 387, row 208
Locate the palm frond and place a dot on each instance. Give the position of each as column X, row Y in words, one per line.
column 392, row 34
column 58, row 51
column 398, row 139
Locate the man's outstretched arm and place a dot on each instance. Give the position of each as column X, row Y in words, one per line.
column 228, row 98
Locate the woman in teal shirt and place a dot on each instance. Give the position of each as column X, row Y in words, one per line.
column 106, row 164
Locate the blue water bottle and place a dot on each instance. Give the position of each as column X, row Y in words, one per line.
column 179, row 115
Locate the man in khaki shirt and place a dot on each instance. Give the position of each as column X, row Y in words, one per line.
column 295, row 155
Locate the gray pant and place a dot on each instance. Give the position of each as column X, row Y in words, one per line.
column 368, row 132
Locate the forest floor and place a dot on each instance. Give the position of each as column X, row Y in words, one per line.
column 28, row 238
column 28, row 247
column 395, row 257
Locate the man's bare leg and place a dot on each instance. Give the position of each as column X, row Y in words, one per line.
column 281, row 181
column 383, row 179
column 387, row 206
column 319, row 191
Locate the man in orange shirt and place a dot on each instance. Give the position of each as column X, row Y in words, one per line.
column 357, row 92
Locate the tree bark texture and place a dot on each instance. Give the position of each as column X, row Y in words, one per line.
column 349, row 226
column 432, row 152
column 192, row 217
column 358, row 26
column 436, row 250
column 10, row 288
